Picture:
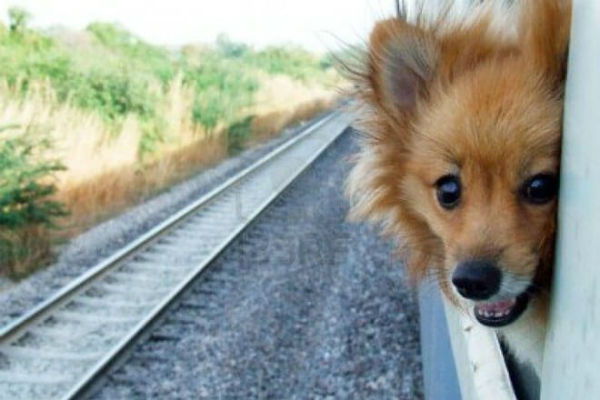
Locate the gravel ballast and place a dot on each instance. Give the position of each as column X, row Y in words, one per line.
column 302, row 305
column 83, row 252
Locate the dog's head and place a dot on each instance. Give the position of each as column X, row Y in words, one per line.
column 461, row 152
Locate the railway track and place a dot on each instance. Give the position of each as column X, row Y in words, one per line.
column 59, row 348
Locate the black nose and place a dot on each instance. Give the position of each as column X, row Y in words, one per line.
column 477, row 280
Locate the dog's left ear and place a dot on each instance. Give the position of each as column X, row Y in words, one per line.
column 544, row 31
column 402, row 63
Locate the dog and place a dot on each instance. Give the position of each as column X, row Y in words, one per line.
column 460, row 119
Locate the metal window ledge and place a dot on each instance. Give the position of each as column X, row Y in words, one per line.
column 463, row 360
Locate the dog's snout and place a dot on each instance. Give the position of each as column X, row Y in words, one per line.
column 477, row 280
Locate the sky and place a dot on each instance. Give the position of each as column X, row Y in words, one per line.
column 317, row 25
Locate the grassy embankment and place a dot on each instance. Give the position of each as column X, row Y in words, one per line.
column 92, row 121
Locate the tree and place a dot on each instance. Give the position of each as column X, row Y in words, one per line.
column 18, row 18
column 230, row 48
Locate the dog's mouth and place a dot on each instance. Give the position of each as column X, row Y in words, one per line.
column 501, row 313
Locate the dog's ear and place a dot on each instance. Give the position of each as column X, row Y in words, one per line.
column 401, row 64
column 544, row 31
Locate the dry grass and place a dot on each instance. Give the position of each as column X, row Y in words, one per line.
column 114, row 190
column 105, row 173
column 31, row 247
column 283, row 101
column 271, row 123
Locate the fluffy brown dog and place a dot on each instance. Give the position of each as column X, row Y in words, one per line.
column 459, row 158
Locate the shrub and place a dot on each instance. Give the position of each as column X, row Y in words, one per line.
column 25, row 204
column 114, row 73
column 149, row 94
column 153, row 134
column 223, row 88
column 18, row 19
column 238, row 134
column 143, row 57
column 208, row 109
column 230, row 48
column 114, row 94
column 292, row 61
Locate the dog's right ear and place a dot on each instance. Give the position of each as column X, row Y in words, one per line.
column 402, row 63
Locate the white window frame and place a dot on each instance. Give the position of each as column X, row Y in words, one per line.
column 572, row 357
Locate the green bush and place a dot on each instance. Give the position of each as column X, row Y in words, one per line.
column 223, row 88
column 292, row 61
column 145, row 58
column 25, row 191
column 113, row 95
column 32, row 57
column 238, row 134
column 152, row 135
column 23, row 196
column 208, row 109
column 18, row 18
column 115, row 73
column 230, row 48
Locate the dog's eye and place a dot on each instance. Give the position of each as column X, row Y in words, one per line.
column 540, row 188
column 448, row 191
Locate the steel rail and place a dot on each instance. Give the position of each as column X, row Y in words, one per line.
column 56, row 304
column 33, row 314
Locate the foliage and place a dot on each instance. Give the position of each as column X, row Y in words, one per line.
column 113, row 95
column 292, row 61
column 18, row 18
column 115, row 73
column 223, row 88
column 147, row 93
column 25, row 192
column 148, row 60
column 230, row 48
column 238, row 134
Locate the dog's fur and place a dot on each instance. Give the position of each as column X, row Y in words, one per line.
column 480, row 97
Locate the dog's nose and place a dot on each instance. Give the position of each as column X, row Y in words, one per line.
column 477, row 280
